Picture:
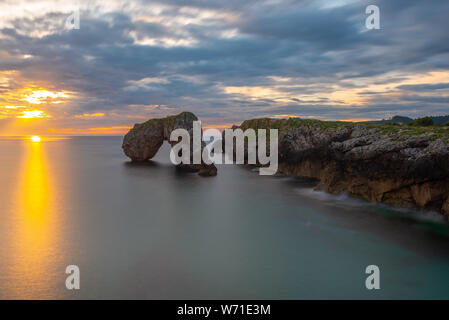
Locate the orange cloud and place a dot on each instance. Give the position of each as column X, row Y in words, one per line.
column 284, row 116
column 90, row 115
column 218, row 126
column 357, row 120
column 110, row 128
column 117, row 130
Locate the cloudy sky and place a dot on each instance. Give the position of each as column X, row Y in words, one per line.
column 224, row 60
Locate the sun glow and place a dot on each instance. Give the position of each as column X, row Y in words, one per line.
column 35, row 138
column 42, row 96
column 34, row 233
column 30, row 114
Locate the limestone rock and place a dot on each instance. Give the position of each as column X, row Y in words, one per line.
column 446, row 207
column 399, row 165
column 143, row 141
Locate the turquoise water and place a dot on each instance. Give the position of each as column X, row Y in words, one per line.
column 151, row 232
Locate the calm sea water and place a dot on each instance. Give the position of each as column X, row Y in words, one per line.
column 148, row 231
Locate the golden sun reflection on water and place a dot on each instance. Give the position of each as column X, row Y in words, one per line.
column 34, row 249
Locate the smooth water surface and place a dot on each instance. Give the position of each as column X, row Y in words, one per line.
column 149, row 231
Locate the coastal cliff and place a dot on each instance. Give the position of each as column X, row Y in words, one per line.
column 399, row 165
column 143, row 141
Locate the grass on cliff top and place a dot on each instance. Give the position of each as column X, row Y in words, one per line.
column 434, row 132
column 167, row 120
column 292, row 123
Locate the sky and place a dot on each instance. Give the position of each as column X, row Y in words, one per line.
column 225, row 61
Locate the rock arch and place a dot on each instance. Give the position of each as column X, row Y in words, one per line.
column 143, row 141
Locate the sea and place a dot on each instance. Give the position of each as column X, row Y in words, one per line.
column 150, row 231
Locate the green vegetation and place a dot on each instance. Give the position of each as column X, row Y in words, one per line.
column 433, row 132
column 421, row 127
column 293, row 123
column 422, row 122
column 169, row 121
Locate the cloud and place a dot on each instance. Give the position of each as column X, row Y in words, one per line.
column 424, row 87
column 225, row 61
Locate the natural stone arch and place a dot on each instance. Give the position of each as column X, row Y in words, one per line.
column 143, row 141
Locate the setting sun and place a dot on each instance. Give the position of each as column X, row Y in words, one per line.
column 35, row 138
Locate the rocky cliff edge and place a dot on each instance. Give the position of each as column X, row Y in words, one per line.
column 400, row 165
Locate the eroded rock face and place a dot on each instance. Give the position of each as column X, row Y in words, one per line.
column 446, row 207
column 392, row 164
column 143, row 141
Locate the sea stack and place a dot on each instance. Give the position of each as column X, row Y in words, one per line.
column 143, row 141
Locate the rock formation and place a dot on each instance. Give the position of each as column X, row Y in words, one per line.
column 143, row 141
column 399, row 165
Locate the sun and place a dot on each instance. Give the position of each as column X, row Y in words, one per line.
column 35, row 138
